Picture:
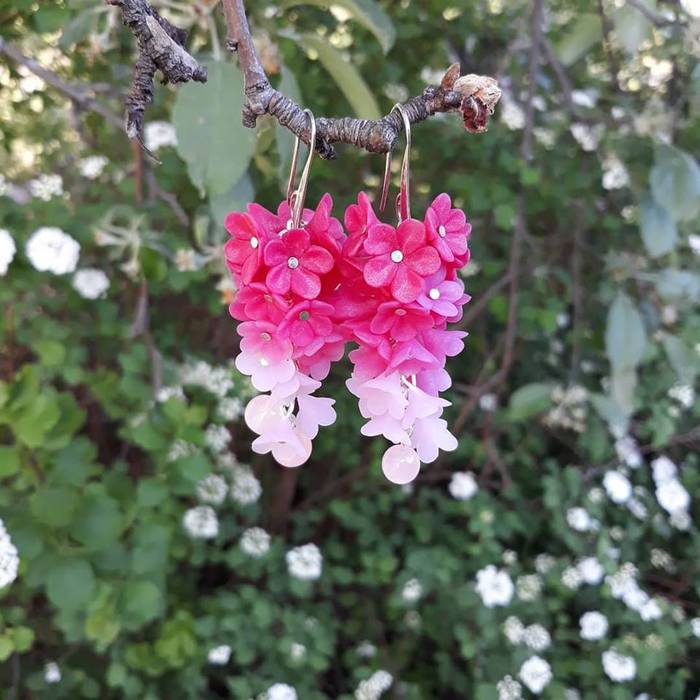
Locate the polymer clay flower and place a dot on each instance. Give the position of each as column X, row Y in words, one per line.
column 243, row 249
column 448, row 230
column 399, row 259
column 295, row 264
column 400, row 321
column 255, row 302
column 309, row 326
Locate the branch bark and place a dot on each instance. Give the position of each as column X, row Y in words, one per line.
column 474, row 96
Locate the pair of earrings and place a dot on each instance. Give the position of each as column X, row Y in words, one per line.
column 307, row 285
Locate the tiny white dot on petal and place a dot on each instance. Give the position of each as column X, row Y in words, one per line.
column 397, row 256
column 434, row 293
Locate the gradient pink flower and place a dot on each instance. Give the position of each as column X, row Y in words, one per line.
column 295, row 264
column 243, row 249
column 443, row 297
column 400, row 321
column 255, row 302
column 448, row 230
column 399, row 258
column 308, row 325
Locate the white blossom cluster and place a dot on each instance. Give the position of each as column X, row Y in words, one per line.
column 217, row 437
column 588, row 137
column 509, row 689
column 618, row 667
column 212, row 489
column 216, row 380
column 219, row 656
column 52, row 673
column 528, row 587
column 570, row 408
column 536, row 674
column 50, row 249
column 494, row 586
column 92, row 166
column 628, row 451
column 9, row 558
column 623, row 586
column 245, row 487
column 670, row 492
column 463, row 486
column 180, row 449
column 255, row 542
column 412, row 590
column 579, row 519
column 201, row 523
column 158, row 135
column 594, row 625
column 45, row 187
column 684, row 394
column 305, row 562
column 615, row 175
column 90, row 283
column 7, row 250
column 372, row 688
column 279, row 691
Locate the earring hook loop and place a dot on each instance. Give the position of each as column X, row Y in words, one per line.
column 403, row 205
column 296, row 197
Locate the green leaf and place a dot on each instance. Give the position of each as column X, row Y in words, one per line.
column 142, row 602
column 54, row 506
column 367, row 12
column 611, row 412
column 625, row 337
column 587, row 30
column 675, row 182
column 98, row 522
column 684, row 360
column 675, row 285
column 6, row 647
column 346, row 76
column 79, row 27
column 234, row 199
column 211, row 138
column 70, row 584
column 631, row 26
column 51, row 352
column 529, row 400
column 9, row 461
column 659, row 232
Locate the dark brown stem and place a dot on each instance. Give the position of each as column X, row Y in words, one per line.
column 474, row 96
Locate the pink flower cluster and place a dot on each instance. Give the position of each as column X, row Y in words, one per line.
column 303, row 292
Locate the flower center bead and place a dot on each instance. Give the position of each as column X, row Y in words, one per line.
column 292, row 263
column 396, row 256
column 400, row 312
column 254, row 242
column 442, row 231
column 434, row 293
column 265, row 337
column 304, row 315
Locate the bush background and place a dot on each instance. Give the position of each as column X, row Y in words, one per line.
column 600, row 340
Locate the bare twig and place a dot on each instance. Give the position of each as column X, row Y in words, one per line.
column 156, row 191
column 475, row 96
column 161, row 47
column 80, row 95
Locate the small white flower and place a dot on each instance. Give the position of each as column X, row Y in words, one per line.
column 663, row 469
column 494, row 586
column 9, row 558
column 90, row 283
column 46, row 186
column 180, row 449
column 694, row 243
column 92, row 166
column 637, row 508
column 255, row 542
column 684, row 394
column 528, row 587
column 186, row 260
column 158, row 135
column 511, row 113
column 488, row 402
column 201, row 522
column 591, row 570
column 305, row 562
column 594, row 625
column 617, row 667
column 588, row 137
column 463, row 486
column 623, row 581
column 50, row 249
column 52, row 673
column 366, row 649
column 672, row 496
column 513, row 629
column 680, row 520
column 509, row 557
column 544, row 563
column 230, row 408
column 617, row 486
column 584, row 98
column 536, row 674
column 615, row 175
column 412, row 590
column 695, row 626
column 7, row 250
column 212, row 489
column 650, row 611
column 245, row 488
column 220, row 655
column 281, row 691
column 297, row 651
column 537, row 637
column 217, row 437
column 628, row 451
column 571, row 577
column 572, row 694
column 579, row 519
column 509, row 689
column 166, row 393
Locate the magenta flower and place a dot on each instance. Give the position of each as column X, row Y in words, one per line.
column 448, row 230
column 399, row 258
column 295, row 264
column 243, row 249
column 308, row 325
column 443, row 297
column 399, row 321
column 254, row 302
column 318, row 365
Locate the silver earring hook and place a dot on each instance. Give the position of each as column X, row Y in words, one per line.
column 403, row 205
column 296, row 197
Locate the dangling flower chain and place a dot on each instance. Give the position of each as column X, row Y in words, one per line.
column 305, row 291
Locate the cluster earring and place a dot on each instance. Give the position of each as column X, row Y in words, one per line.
column 307, row 286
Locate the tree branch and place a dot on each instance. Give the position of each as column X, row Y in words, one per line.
column 161, row 47
column 474, row 96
